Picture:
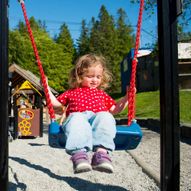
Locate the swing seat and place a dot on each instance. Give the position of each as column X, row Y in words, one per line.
column 56, row 136
column 127, row 137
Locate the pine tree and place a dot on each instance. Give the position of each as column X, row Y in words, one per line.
column 94, row 36
column 83, row 41
column 124, row 34
column 64, row 39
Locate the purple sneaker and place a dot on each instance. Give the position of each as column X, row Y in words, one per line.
column 81, row 162
column 102, row 162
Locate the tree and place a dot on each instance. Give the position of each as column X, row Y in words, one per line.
column 64, row 39
column 83, row 41
column 56, row 62
column 20, row 51
column 35, row 25
column 94, row 36
column 124, row 34
column 68, row 52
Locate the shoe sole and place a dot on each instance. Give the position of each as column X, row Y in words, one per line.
column 82, row 167
column 104, row 167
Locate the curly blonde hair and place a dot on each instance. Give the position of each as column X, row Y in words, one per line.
column 82, row 65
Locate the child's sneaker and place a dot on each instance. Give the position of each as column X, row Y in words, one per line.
column 81, row 162
column 102, row 162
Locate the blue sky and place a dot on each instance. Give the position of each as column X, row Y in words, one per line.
column 56, row 12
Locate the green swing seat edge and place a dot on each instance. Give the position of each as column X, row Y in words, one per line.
column 127, row 137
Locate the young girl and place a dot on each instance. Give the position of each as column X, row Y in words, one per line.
column 89, row 123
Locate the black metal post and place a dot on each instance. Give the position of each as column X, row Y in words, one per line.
column 3, row 95
column 169, row 95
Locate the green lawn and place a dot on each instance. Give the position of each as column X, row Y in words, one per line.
column 148, row 106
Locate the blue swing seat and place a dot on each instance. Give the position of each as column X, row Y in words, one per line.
column 127, row 137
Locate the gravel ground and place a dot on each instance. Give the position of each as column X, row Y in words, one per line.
column 34, row 166
column 149, row 152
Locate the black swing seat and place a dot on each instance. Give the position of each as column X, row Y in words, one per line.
column 127, row 137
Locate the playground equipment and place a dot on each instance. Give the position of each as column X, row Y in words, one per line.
column 128, row 135
column 168, row 12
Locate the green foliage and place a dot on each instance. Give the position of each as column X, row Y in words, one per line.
column 148, row 106
column 124, row 33
column 65, row 40
column 83, row 41
column 20, row 50
column 56, row 63
column 56, row 59
column 65, row 54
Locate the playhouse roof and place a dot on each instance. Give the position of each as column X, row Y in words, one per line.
column 19, row 75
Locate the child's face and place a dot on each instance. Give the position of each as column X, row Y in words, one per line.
column 93, row 77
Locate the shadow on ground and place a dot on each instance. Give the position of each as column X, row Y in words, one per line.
column 15, row 187
column 74, row 182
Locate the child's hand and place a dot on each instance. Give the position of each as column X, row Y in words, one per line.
column 128, row 89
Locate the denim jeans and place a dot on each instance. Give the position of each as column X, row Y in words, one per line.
column 87, row 130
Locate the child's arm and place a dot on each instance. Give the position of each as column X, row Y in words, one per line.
column 53, row 99
column 120, row 105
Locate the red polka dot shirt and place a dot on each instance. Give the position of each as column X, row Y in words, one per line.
column 86, row 99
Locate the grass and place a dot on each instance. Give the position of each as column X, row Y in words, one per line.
column 148, row 106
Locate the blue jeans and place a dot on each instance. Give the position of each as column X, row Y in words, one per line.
column 87, row 130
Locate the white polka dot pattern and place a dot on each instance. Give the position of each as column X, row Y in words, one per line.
column 86, row 99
